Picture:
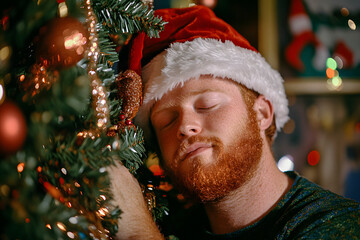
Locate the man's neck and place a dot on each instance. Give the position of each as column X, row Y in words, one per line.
column 252, row 201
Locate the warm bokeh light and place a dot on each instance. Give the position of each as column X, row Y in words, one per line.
column 344, row 11
column 48, row 226
column 352, row 24
column 20, row 167
column 62, row 9
column 156, row 170
column 286, row 163
column 63, row 170
column 289, row 127
column 102, row 212
column 11, row 126
column 5, row 190
column 74, row 41
column 313, row 158
column 5, row 53
column 330, row 73
column 336, row 81
column 22, row 78
column 61, row 226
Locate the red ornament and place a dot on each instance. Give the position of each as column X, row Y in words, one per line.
column 62, row 43
column 12, row 128
column 128, row 122
column 122, row 117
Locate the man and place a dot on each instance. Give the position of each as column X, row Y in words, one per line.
column 211, row 107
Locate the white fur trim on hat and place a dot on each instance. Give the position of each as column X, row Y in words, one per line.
column 183, row 61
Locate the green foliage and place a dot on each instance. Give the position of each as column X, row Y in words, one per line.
column 107, row 47
column 64, row 184
column 127, row 16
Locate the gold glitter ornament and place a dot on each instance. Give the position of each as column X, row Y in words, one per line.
column 129, row 86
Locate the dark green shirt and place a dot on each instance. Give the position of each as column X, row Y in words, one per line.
column 306, row 212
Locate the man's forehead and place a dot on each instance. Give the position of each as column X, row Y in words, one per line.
column 194, row 87
column 201, row 85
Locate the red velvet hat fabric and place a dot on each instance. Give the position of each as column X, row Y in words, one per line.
column 183, row 24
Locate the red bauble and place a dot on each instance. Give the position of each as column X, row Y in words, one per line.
column 61, row 43
column 128, row 122
column 12, row 128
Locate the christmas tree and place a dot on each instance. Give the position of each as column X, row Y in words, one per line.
column 66, row 115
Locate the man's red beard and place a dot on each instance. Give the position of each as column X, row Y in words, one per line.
column 233, row 166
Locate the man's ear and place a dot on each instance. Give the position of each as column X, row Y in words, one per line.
column 264, row 111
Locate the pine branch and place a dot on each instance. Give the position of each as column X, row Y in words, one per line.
column 132, row 148
column 108, row 54
column 79, row 172
column 127, row 16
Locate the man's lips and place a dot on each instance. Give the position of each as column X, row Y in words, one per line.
column 194, row 149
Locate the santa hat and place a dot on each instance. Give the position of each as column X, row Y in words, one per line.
column 302, row 30
column 299, row 20
column 195, row 42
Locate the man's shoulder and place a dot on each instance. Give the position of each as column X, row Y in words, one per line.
column 310, row 211
column 307, row 195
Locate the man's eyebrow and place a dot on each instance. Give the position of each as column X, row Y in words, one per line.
column 192, row 93
column 171, row 103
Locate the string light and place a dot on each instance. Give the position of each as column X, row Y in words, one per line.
column 61, row 226
column 99, row 100
column 22, row 78
column 102, row 212
column 48, row 226
column 20, row 167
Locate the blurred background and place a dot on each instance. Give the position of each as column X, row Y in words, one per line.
column 316, row 47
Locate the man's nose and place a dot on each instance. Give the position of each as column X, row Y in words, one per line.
column 189, row 125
